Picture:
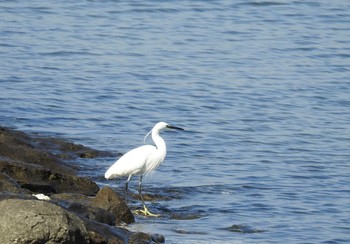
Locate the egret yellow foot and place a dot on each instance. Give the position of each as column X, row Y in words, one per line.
column 145, row 212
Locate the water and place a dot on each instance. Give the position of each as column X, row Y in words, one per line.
column 261, row 87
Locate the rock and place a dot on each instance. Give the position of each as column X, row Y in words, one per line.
column 7, row 184
column 93, row 213
column 157, row 238
column 19, row 146
column 39, row 179
column 68, row 150
column 140, row 238
column 88, row 208
column 68, row 198
column 45, row 151
column 33, row 164
column 33, row 221
column 81, row 205
column 8, row 195
column 109, row 200
column 101, row 233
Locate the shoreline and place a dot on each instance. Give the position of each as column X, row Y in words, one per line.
column 79, row 211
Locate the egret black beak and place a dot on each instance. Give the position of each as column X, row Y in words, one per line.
column 174, row 127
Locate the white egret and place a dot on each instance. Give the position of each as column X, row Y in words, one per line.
column 141, row 161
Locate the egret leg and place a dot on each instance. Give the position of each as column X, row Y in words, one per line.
column 145, row 210
column 126, row 189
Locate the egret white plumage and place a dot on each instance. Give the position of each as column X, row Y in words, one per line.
column 141, row 161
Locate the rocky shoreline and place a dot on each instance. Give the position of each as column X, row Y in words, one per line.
column 77, row 210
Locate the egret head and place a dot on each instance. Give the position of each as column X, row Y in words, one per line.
column 162, row 125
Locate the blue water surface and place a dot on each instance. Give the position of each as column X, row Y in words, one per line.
column 261, row 87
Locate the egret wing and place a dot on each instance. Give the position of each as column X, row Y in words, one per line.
column 131, row 163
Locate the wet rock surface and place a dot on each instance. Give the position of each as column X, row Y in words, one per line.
column 77, row 212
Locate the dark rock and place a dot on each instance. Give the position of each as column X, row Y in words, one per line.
column 102, row 233
column 68, row 150
column 157, row 238
column 81, row 205
column 7, row 184
column 243, row 229
column 140, row 238
column 72, row 198
column 32, row 162
column 33, row 221
column 36, row 178
column 45, row 151
column 109, row 200
column 19, row 146
column 96, row 214
column 9, row 195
